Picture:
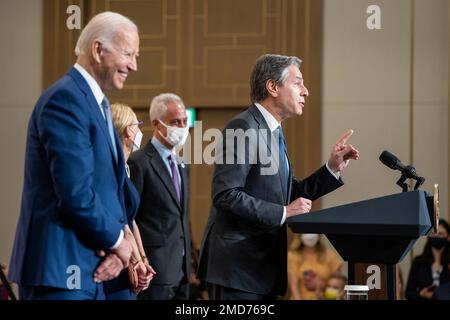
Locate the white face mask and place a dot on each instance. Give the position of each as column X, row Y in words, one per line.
column 310, row 239
column 176, row 136
column 137, row 140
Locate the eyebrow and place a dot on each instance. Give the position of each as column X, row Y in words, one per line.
column 299, row 78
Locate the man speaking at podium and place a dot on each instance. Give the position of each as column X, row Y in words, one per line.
column 244, row 249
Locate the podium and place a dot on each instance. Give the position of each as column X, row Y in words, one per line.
column 376, row 233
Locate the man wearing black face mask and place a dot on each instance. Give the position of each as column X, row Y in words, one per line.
column 163, row 184
column 430, row 269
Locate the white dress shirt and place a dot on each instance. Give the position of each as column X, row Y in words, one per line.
column 273, row 124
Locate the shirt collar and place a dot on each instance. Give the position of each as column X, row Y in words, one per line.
column 272, row 123
column 163, row 151
column 95, row 88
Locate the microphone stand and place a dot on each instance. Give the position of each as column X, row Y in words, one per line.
column 402, row 182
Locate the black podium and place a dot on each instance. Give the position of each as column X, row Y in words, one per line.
column 378, row 231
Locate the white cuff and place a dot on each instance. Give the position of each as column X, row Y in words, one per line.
column 337, row 175
column 284, row 216
column 118, row 242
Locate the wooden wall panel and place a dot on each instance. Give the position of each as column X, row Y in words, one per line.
column 59, row 42
column 204, row 50
column 160, row 50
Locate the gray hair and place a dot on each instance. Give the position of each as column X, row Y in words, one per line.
column 103, row 27
column 158, row 107
column 269, row 67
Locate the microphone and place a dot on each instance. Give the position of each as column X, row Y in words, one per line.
column 391, row 161
column 408, row 172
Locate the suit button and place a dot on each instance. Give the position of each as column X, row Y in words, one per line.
column 122, row 220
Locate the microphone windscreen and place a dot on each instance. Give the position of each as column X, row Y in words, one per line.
column 388, row 159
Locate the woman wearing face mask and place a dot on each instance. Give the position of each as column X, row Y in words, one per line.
column 310, row 265
column 139, row 273
column 430, row 269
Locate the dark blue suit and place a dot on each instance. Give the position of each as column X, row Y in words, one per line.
column 119, row 288
column 73, row 194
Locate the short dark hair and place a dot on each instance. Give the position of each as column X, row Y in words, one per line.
column 269, row 67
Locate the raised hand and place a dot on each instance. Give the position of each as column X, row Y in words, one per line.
column 342, row 153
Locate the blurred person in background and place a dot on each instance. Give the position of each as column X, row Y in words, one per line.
column 334, row 288
column 429, row 270
column 310, row 265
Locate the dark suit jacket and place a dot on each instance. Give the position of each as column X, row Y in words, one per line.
column 244, row 246
column 442, row 292
column 163, row 222
column 420, row 276
column 73, row 196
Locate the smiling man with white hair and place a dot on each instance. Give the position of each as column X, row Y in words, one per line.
column 70, row 234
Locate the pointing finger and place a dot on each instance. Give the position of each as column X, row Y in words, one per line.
column 342, row 140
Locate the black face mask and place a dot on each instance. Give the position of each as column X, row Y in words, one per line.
column 438, row 242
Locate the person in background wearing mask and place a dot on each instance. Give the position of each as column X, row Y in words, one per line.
column 310, row 265
column 140, row 273
column 334, row 289
column 430, row 269
column 162, row 183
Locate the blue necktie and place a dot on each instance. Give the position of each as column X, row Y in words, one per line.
column 284, row 167
column 109, row 124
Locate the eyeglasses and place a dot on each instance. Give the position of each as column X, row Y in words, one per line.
column 139, row 123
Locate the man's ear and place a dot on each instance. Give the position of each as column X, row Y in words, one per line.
column 272, row 88
column 155, row 123
column 97, row 51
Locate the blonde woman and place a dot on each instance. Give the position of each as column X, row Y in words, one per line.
column 140, row 273
column 310, row 265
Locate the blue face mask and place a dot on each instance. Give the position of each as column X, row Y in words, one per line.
column 438, row 242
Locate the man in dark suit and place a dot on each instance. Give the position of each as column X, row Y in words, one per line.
column 70, row 234
column 163, row 183
column 244, row 247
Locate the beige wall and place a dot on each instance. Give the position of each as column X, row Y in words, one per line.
column 391, row 88
column 20, row 86
column 367, row 81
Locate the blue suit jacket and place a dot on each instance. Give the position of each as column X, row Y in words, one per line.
column 73, row 199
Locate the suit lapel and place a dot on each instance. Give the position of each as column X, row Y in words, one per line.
column 262, row 124
column 95, row 109
column 161, row 171
column 184, row 186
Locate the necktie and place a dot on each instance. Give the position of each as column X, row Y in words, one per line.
column 284, row 167
column 109, row 124
column 175, row 180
